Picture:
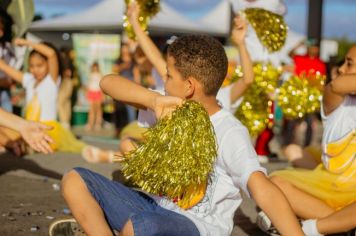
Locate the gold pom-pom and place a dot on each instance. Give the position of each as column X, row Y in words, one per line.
column 255, row 110
column 176, row 157
column 148, row 9
column 270, row 27
column 301, row 95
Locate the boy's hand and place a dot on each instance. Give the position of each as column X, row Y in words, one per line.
column 239, row 30
column 132, row 13
column 34, row 134
column 165, row 105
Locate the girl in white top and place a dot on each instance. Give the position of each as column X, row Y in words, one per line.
column 329, row 198
column 41, row 85
column 41, row 82
column 95, row 98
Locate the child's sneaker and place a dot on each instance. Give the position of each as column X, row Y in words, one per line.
column 65, row 227
column 265, row 224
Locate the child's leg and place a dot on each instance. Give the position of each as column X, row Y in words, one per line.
column 84, row 207
column 341, row 221
column 303, row 204
column 122, row 208
column 91, row 116
column 98, row 114
column 299, row 157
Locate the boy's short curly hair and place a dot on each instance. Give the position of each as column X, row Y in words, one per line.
column 201, row 57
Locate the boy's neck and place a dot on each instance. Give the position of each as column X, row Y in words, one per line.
column 210, row 104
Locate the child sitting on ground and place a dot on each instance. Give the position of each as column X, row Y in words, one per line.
column 196, row 68
column 328, row 192
column 230, row 97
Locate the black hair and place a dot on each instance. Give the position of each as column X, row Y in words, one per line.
column 7, row 22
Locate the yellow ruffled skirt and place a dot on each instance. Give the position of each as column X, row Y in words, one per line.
column 322, row 184
column 63, row 139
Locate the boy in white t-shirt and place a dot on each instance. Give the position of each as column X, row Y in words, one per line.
column 196, row 68
column 230, row 97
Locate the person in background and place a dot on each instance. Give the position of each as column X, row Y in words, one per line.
column 64, row 97
column 8, row 55
column 308, row 65
column 125, row 67
column 95, row 98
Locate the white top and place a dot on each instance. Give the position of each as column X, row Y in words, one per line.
column 224, row 97
column 94, row 82
column 235, row 163
column 339, row 123
column 47, row 92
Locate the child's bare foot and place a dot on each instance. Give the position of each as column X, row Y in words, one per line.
column 96, row 155
column 97, row 127
column 88, row 127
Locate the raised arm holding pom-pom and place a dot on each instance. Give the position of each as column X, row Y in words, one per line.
column 238, row 35
column 127, row 91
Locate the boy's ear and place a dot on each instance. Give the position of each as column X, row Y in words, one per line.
column 190, row 87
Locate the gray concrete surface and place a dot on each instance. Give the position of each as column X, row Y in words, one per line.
column 30, row 198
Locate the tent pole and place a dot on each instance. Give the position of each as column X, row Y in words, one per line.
column 315, row 20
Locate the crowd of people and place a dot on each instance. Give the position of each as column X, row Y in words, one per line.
column 316, row 197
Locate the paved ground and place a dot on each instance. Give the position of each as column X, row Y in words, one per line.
column 30, row 198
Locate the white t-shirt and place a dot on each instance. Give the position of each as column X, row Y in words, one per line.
column 224, row 97
column 94, row 81
column 339, row 123
column 235, row 163
column 47, row 93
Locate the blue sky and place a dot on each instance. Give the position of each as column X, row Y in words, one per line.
column 339, row 15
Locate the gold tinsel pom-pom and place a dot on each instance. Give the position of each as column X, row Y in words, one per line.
column 148, row 9
column 177, row 156
column 254, row 111
column 270, row 27
column 300, row 95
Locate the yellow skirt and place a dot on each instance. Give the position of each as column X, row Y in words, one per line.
column 323, row 185
column 63, row 139
column 133, row 130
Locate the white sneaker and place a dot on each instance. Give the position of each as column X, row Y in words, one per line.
column 65, row 227
column 265, row 224
column 262, row 159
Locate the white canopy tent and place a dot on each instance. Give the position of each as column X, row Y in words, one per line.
column 107, row 15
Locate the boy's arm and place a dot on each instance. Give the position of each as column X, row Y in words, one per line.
column 336, row 90
column 11, row 72
column 47, row 51
column 238, row 37
column 129, row 92
column 146, row 43
column 273, row 202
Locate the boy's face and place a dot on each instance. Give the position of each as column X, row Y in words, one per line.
column 175, row 84
column 349, row 66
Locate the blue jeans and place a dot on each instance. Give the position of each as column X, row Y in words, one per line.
column 120, row 204
column 5, row 101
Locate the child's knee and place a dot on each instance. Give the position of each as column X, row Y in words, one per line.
column 70, row 182
column 280, row 182
column 127, row 230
